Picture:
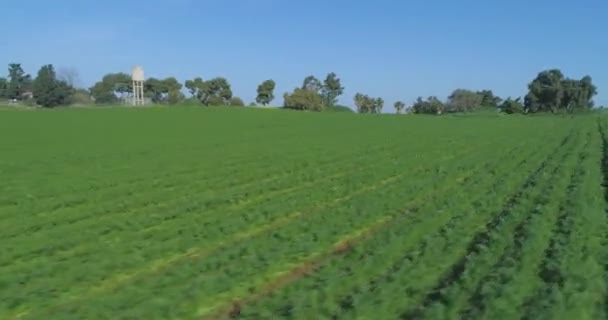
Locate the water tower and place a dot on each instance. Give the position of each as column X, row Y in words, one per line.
column 138, row 86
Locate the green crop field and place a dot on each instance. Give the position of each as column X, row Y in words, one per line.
column 207, row 213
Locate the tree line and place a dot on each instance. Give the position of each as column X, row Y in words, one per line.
column 549, row 91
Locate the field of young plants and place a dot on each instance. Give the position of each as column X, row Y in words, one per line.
column 194, row 213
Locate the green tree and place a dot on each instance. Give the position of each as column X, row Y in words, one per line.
column 331, row 89
column 102, row 94
column 488, row 99
column 122, row 84
column 163, row 91
column 112, row 88
column 312, row 84
column 237, row 102
column 154, row 89
column 174, row 93
column 216, row 91
column 511, row 106
column 378, row 104
column 589, row 91
column 550, row 91
column 363, row 103
column 3, row 88
column 303, row 99
column 48, row 91
column 265, row 92
column 367, row 104
column 436, row 105
column 545, row 92
column 175, row 97
column 399, row 106
column 194, row 86
column 171, row 84
column 462, row 100
column 19, row 82
column 431, row 105
column 572, row 94
column 420, row 106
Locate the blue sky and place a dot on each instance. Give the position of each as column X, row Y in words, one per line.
column 398, row 50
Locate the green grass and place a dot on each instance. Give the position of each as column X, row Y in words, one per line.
column 195, row 213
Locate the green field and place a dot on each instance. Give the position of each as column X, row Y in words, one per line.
column 205, row 213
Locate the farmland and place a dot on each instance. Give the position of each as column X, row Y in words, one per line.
column 205, row 213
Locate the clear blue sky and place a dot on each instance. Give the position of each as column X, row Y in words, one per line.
column 393, row 49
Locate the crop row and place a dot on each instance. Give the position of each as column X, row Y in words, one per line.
column 410, row 216
column 168, row 239
column 573, row 261
column 273, row 250
column 208, row 193
column 164, row 239
column 526, row 270
column 153, row 188
column 148, row 224
column 433, row 241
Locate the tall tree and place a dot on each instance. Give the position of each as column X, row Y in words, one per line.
column 154, row 89
column 367, row 104
column 399, row 106
column 102, row 93
column 512, row 106
column 194, row 86
column 573, row 96
column 49, row 91
column 19, row 82
column 174, row 90
column 462, row 100
column 3, row 87
column 331, row 89
column 216, row 91
column 431, row 105
column 551, row 91
column 265, row 92
column 361, row 102
column 436, row 105
column 313, row 84
column 488, row 99
column 112, row 88
column 378, row 104
column 175, row 97
column 123, row 84
column 546, row 91
column 303, row 99
column 588, row 92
